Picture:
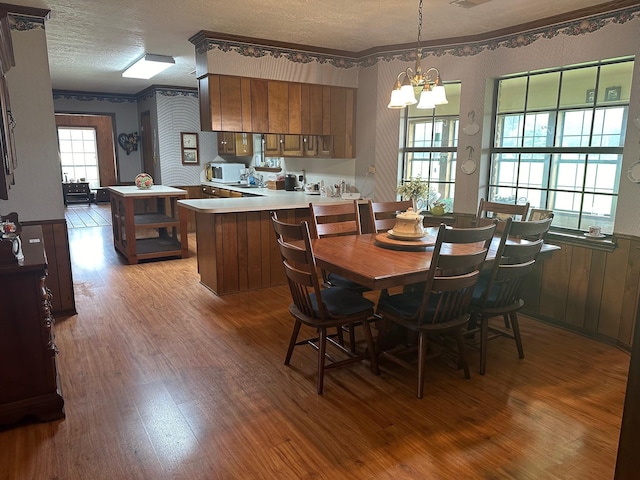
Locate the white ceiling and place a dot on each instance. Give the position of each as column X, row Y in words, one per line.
column 91, row 42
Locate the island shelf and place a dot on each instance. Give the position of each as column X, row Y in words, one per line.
column 147, row 224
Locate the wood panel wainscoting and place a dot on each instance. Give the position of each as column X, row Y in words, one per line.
column 242, row 254
column 588, row 286
column 60, row 278
column 589, row 289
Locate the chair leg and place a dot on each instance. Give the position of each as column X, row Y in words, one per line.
column 422, row 355
column 461, row 354
column 505, row 317
column 322, row 348
column 352, row 338
column 515, row 326
column 370, row 346
column 292, row 341
column 383, row 329
column 484, row 335
column 340, row 336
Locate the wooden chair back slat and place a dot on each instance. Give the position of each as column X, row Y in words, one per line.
column 383, row 214
column 335, row 219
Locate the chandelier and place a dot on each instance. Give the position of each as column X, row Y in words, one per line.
column 427, row 85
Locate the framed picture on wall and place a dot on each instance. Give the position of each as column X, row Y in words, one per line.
column 612, row 94
column 189, row 148
column 591, row 95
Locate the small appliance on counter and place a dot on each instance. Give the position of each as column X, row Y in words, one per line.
column 225, row 172
column 289, row 182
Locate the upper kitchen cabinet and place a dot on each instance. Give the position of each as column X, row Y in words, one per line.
column 237, row 104
column 239, row 144
column 342, row 122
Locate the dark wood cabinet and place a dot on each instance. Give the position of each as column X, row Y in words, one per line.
column 239, row 104
column 240, row 144
column 78, row 192
column 28, row 363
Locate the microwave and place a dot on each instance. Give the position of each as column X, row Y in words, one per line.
column 226, row 172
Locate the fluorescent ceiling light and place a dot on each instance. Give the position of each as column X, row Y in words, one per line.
column 148, row 66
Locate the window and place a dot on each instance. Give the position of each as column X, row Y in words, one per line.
column 558, row 141
column 78, row 155
column 431, row 143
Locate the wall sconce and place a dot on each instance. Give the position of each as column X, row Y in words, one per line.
column 148, row 66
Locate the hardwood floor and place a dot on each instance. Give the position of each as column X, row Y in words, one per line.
column 88, row 215
column 164, row 380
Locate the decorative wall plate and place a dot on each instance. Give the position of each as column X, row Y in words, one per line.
column 633, row 173
column 472, row 127
column 468, row 166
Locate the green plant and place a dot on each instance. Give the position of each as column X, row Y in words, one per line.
column 413, row 189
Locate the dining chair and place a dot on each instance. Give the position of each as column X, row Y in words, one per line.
column 332, row 219
column 383, row 214
column 498, row 293
column 320, row 309
column 539, row 214
column 487, row 211
column 442, row 308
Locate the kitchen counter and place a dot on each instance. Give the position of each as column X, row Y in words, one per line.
column 237, row 248
column 266, row 201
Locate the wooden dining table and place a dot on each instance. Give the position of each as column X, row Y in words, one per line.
column 367, row 261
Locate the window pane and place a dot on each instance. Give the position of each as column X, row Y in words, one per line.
column 543, row 91
column 578, row 87
column 538, row 130
column 532, row 172
column 603, row 173
column 509, row 131
column 608, row 128
column 574, row 128
column 511, row 94
column 615, row 82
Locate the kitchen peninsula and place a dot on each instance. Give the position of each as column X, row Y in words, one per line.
column 236, row 243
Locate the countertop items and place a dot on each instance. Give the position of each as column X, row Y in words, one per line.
column 267, row 200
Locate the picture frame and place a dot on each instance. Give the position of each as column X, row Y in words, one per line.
column 612, row 94
column 590, row 95
column 189, row 148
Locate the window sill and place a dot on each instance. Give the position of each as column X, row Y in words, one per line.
column 607, row 244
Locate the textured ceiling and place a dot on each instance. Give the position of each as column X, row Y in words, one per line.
column 91, row 42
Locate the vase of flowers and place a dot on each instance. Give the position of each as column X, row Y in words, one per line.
column 418, row 191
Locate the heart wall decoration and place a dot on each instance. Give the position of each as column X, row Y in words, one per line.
column 129, row 142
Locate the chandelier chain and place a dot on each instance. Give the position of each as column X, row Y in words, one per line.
column 420, row 25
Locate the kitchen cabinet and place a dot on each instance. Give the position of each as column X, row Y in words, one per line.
column 240, row 104
column 208, row 191
column 28, row 353
column 278, row 106
column 284, row 145
column 77, row 192
column 239, row 144
column 147, row 224
column 297, row 145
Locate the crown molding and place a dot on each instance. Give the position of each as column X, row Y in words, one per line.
column 149, row 92
column 578, row 22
